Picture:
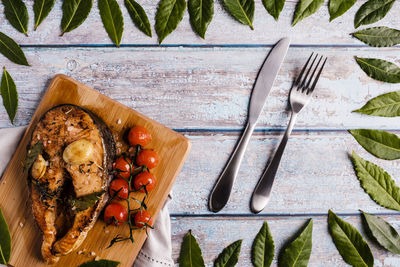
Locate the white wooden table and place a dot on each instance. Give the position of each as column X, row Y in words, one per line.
column 202, row 88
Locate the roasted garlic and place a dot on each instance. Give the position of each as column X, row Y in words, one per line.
column 38, row 167
column 78, row 152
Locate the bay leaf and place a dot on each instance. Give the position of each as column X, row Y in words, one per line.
column 85, row 202
column 306, row 8
column 229, row 256
column 372, row 11
column 169, row 15
column 383, row 232
column 75, row 13
column 241, row 10
column 377, row 183
column 138, row 16
column 378, row 36
column 113, row 21
column 17, row 14
column 9, row 94
column 100, row 263
column 190, row 255
column 32, row 154
column 274, row 7
column 297, row 254
column 380, row 69
column 381, row 144
column 263, row 249
column 339, row 7
column 41, row 9
column 5, row 240
column 200, row 13
column 11, row 50
column 386, row 105
column 349, row 242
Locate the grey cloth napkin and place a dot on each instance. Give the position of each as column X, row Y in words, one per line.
column 157, row 251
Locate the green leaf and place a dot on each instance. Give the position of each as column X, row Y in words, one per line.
column 241, row 10
column 190, row 255
column 9, row 95
column 306, row 8
column 229, row 256
column 383, row 232
column 372, row 11
column 17, row 14
column 11, row 50
column 42, row 8
column 339, row 7
column 378, row 36
column 298, row 252
column 168, row 16
column 377, row 183
column 32, row 154
column 138, row 16
column 379, row 69
column 349, row 242
column 113, row 21
column 85, row 202
column 386, row 105
column 200, row 13
column 75, row 13
column 274, row 7
column 263, row 250
column 100, row 263
column 381, row 144
column 5, row 241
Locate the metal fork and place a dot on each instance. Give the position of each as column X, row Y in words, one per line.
column 300, row 95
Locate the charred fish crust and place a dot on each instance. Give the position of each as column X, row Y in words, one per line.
column 65, row 226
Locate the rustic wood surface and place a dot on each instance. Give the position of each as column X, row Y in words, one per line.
column 172, row 148
column 201, row 88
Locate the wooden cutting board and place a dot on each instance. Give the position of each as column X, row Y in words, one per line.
column 172, row 148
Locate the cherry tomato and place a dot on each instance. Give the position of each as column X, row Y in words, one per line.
column 121, row 186
column 122, row 166
column 148, row 157
column 145, row 179
column 115, row 213
column 139, row 135
column 142, row 218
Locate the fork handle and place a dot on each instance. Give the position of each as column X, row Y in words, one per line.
column 222, row 189
column 262, row 191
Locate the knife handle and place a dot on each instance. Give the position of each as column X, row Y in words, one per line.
column 222, row 190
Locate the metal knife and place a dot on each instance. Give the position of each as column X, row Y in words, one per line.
column 220, row 194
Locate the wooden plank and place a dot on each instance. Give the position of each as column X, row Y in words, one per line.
column 172, row 149
column 196, row 88
column 212, row 238
column 315, row 175
column 222, row 30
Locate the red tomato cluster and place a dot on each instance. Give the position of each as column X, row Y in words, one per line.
column 126, row 173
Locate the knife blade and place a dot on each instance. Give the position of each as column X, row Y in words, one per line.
column 265, row 79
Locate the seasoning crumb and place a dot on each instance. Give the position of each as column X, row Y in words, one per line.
column 97, row 258
column 119, row 121
column 80, row 252
column 106, row 231
column 21, row 224
column 92, row 253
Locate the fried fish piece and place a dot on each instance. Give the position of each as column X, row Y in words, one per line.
column 76, row 161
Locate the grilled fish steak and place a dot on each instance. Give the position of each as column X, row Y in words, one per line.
column 75, row 164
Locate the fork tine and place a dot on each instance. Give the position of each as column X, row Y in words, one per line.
column 303, row 82
column 317, row 78
column 307, row 86
column 304, row 68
